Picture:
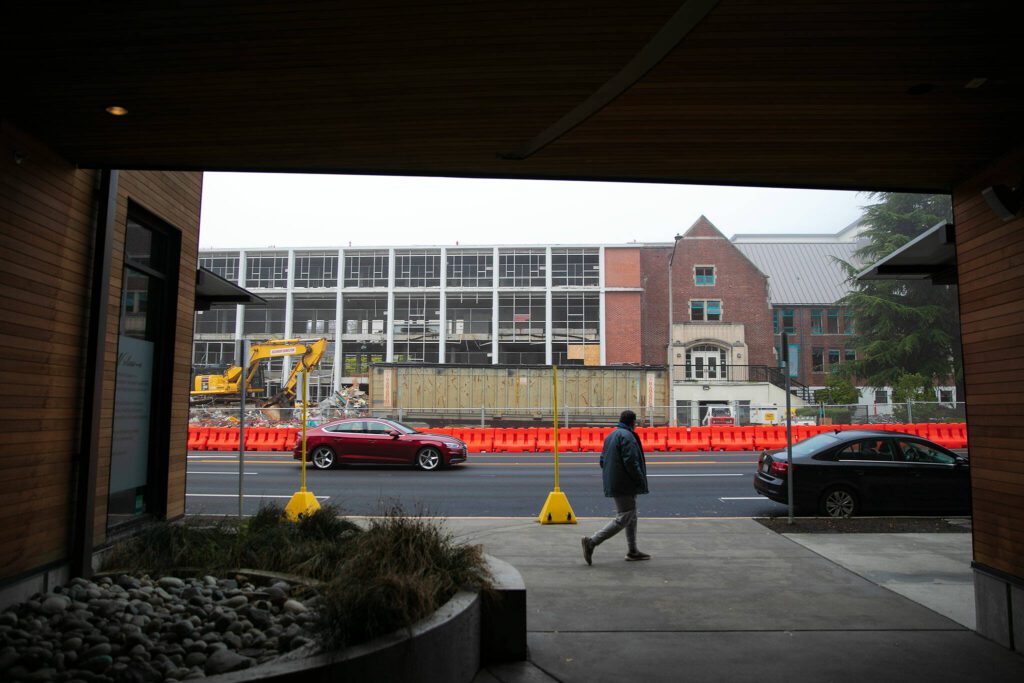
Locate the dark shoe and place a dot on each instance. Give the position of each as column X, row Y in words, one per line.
column 588, row 550
column 636, row 556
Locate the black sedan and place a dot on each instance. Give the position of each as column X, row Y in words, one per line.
column 844, row 473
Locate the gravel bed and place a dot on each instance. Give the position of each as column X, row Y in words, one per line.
column 868, row 525
column 134, row 629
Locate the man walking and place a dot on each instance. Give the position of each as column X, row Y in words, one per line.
column 624, row 471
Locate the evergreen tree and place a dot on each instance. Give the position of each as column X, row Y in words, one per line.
column 902, row 326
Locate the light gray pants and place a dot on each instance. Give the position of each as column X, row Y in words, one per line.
column 625, row 506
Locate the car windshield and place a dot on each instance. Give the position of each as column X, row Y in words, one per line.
column 813, row 444
column 404, row 429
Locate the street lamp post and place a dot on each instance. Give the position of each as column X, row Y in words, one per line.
column 668, row 347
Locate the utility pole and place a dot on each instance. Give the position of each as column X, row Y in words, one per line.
column 789, row 424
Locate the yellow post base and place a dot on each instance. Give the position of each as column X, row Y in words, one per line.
column 556, row 510
column 302, row 504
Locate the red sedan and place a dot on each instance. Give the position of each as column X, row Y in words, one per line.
column 373, row 441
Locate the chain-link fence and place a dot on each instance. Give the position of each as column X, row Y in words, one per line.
column 589, row 416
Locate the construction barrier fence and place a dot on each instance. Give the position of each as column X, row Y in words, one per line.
column 588, row 439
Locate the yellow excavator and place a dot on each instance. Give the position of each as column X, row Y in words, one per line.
column 224, row 388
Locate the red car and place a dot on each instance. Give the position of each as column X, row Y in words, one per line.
column 373, row 441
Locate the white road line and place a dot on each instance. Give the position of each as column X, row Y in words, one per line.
column 235, row 495
column 697, row 475
column 204, row 457
column 232, row 473
column 748, row 498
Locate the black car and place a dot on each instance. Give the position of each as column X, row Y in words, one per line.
column 844, row 473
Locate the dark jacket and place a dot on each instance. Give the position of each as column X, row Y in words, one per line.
column 623, row 467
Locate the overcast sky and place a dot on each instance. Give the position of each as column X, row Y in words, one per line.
column 293, row 210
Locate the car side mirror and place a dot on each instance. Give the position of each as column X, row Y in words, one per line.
column 394, row 434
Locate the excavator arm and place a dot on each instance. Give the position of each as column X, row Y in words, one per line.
column 226, row 385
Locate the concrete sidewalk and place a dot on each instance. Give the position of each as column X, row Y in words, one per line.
column 724, row 600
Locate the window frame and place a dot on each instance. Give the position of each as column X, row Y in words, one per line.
column 704, row 280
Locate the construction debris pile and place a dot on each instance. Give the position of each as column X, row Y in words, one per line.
column 348, row 402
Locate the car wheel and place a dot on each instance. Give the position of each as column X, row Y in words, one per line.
column 428, row 458
column 323, row 457
column 839, row 502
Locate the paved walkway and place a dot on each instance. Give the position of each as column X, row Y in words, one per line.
column 729, row 600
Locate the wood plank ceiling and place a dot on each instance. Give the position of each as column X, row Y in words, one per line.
column 810, row 93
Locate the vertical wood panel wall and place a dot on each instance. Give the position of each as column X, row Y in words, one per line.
column 990, row 257
column 47, row 227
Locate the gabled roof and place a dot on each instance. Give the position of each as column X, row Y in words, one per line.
column 802, row 273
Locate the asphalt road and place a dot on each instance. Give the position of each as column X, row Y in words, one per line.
column 487, row 485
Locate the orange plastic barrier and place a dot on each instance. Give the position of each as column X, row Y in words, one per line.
column 732, row 438
column 223, row 439
column 688, row 439
column 592, row 438
column 255, row 438
column 197, row 438
column 523, row 440
column 546, row 440
column 503, row 440
column 568, row 440
column 479, row 440
column 769, row 437
column 653, row 438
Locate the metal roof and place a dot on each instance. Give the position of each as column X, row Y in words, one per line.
column 803, row 272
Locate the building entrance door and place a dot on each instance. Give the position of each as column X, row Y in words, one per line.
column 705, row 364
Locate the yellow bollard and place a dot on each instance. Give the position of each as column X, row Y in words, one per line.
column 556, row 508
column 303, row 503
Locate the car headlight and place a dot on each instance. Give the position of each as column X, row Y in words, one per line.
column 452, row 444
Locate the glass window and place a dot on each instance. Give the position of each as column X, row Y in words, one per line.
column 366, row 269
column 915, row 451
column 709, row 309
column 867, row 449
column 522, row 268
column 714, row 309
column 946, row 395
column 849, row 355
column 575, row 317
column 347, row 427
column 266, row 271
column 817, row 323
column 470, row 268
column 373, row 427
column 833, row 321
column 575, row 268
column 794, row 360
column 775, row 320
column 848, row 321
column 316, row 270
column 817, row 359
column 225, row 266
column 417, row 268
column 788, row 320
column 881, row 395
column 833, row 357
column 704, row 276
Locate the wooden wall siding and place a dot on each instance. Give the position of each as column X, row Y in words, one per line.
column 174, row 197
column 990, row 256
column 45, row 250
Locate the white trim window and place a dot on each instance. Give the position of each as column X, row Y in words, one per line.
column 705, row 310
column 704, row 276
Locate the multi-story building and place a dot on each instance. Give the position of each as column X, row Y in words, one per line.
column 725, row 301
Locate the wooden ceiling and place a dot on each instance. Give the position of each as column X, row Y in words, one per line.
column 805, row 93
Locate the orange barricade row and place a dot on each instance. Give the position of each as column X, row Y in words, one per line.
column 589, row 439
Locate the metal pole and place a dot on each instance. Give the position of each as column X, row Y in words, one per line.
column 789, row 426
column 305, row 394
column 554, row 378
column 243, row 362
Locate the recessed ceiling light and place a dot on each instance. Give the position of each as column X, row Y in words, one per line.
column 117, row 111
column 975, row 83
